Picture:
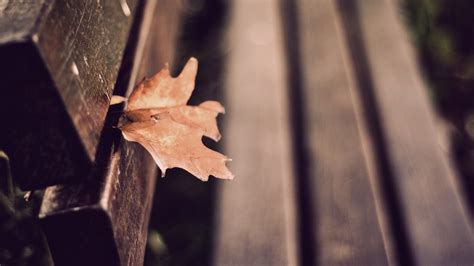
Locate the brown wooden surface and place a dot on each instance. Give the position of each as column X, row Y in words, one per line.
column 433, row 216
column 256, row 211
column 104, row 219
column 373, row 185
column 336, row 154
column 19, row 20
column 346, row 228
column 82, row 44
column 60, row 62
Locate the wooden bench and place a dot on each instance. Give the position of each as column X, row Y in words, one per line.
column 112, row 206
column 337, row 152
column 336, row 148
column 61, row 62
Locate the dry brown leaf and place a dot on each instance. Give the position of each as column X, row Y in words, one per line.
column 160, row 120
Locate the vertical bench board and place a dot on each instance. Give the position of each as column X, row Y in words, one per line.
column 346, row 226
column 438, row 232
column 255, row 215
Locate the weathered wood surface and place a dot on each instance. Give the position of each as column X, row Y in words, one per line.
column 433, row 216
column 346, row 230
column 373, row 185
column 103, row 220
column 18, row 21
column 82, row 44
column 256, row 219
column 60, row 60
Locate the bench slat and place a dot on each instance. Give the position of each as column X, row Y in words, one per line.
column 255, row 211
column 434, row 217
column 346, row 229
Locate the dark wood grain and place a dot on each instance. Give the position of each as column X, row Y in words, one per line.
column 409, row 154
column 60, row 60
column 103, row 220
column 256, row 217
column 82, row 44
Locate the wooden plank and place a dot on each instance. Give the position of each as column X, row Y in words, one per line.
column 41, row 141
column 60, row 61
column 255, row 212
column 103, row 220
column 437, row 229
column 82, row 44
column 346, row 229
